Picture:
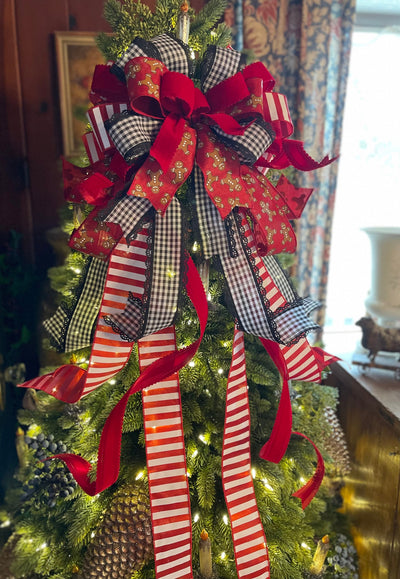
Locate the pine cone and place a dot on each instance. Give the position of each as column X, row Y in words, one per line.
column 335, row 443
column 123, row 540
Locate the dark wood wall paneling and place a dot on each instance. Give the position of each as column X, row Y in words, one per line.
column 30, row 169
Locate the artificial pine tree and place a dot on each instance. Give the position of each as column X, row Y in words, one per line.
column 61, row 532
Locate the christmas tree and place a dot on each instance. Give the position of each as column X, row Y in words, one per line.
column 169, row 189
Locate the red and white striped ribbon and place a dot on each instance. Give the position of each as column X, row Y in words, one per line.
column 166, row 464
column 92, row 148
column 301, row 362
column 251, row 553
column 277, row 113
column 126, row 274
column 98, row 115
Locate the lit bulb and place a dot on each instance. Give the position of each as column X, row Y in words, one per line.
column 202, row 438
column 195, row 453
column 112, row 382
column 6, row 523
column 195, row 246
column 225, row 519
column 220, row 370
column 267, row 485
column 253, row 473
column 192, row 363
column 223, row 555
column 305, row 546
column 139, row 475
column 209, row 296
column 196, row 517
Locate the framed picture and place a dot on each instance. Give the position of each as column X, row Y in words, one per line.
column 77, row 56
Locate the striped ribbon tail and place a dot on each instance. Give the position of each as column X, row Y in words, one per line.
column 166, row 464
column 126, row 279
column 251, row 553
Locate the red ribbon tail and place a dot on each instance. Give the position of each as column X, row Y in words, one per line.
column 110, row 443
column 307, row 492
column 300, row 159
column 274, row 449
column 166, row 143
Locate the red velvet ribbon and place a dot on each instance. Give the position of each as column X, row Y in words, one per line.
column 274, row 449
column 110, row 443
column 307, row 492
column 156, row 92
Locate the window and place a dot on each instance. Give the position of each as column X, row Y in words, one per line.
column 368, row 191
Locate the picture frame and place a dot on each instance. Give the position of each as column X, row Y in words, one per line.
column 77, row 55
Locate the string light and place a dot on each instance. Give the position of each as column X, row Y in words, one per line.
column 195, row 246
column 195, row 453
column 139, row 475
column 6, row 523
column 223, row 555
column 192, row 363
column 305, row 546
column 220, row 370
column 204, row 438
column 209, row 296
column 225, row 519
column 253, row 473
column 112, row 382
column 267, row 485
column 196, row 517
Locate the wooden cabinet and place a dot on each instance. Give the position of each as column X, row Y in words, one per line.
column 369, row 412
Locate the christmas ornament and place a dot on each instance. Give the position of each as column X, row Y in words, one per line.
column 154, row 129
column 122, row 542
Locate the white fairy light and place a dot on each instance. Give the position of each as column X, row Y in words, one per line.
column 195, row 246
column 267, row 485
column 305, row 546
column 225, row 519
column 6, row 523
column 209, row 296
column 223, row 555
column 203, row 438
column 196, row 517
column 112, row 382
column 93, row 534
column 192, row 363
column 139, row 475
column 220, row 370
column 253, row 472
column 195, row 453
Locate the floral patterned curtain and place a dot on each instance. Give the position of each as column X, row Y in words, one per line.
column 305, row 44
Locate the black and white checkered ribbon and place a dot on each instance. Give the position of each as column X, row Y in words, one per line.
column 225, row 239
column 157, row 308
column 71, row 329
column 168, row 50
